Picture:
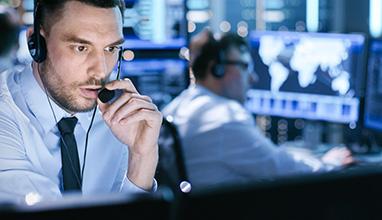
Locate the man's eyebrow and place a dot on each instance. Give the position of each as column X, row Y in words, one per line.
column 74, row 39
column 118, row 42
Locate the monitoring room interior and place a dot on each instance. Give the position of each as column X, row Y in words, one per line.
column 319, row 86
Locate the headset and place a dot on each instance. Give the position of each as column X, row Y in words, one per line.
column 36, row 42
column 218, row 69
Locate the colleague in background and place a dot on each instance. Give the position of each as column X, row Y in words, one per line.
column 221, row 142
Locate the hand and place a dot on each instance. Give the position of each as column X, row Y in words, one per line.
column 136, row 122
column 338, row 156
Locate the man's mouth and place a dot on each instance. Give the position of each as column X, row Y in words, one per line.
column 90, row 92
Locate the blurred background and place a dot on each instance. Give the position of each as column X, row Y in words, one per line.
column 319, row 65
column 335, row 43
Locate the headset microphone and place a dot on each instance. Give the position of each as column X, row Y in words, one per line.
column 106, row 95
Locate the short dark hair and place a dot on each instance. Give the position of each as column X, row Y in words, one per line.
column 9, row 29
column 53, row 9
column 213, row 49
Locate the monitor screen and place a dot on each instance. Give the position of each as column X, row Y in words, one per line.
column 373, row 98
column 316, row 76
column 159, row 24
column 161, row 79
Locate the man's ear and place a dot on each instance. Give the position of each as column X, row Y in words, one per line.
column 210, row 67
column 29, row 32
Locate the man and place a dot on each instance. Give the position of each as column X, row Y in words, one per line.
column 9, row 29
column 42, row 105
column 221, row 143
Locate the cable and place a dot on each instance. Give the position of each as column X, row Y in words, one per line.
column 94, row 112
column 86, row 143
column 78, row 178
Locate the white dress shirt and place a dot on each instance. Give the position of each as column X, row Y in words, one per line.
column 222, row 144
column 30, row 157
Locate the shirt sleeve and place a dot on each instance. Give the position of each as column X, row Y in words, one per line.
column 130, row 187
column 239, row 152
column 123, row 183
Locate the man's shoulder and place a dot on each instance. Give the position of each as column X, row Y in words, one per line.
column 8, row 108
column 206, row 107
column 8, row 120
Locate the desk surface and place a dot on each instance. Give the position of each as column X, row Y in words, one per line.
column 299, row 147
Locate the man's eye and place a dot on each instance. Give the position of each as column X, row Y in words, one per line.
column 111, row 49
column 80, row 48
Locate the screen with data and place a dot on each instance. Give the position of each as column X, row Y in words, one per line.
column 373, row 99
column 315, row 76
column 161, row 79
column 155, row 24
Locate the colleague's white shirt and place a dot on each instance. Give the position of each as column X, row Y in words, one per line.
column 30, row 158
column 222, row 145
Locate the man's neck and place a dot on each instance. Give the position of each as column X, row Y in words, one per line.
column 211, row 84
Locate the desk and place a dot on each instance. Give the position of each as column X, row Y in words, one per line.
column 108, row 206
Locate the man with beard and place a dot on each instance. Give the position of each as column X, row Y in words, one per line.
column 49, row 142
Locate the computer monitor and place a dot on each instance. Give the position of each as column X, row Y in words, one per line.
column 159, row 24
column 353, row 194
column 110, row 205
column 160, row 78
column 316, row 76
column 373, row 98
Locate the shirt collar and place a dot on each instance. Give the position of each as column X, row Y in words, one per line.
column 198, row 88
column 37, row 102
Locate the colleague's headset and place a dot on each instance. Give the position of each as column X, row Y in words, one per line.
column 218, row 69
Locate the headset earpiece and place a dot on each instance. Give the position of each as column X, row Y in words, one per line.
column 218, row 70
column 36, row 42
column 37, row 47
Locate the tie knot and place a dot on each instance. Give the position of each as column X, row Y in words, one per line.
column 66, row 125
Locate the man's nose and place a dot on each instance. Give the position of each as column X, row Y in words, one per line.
column 253, row 77
column 98, row 67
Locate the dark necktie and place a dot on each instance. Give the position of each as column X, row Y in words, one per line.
column 69, row 155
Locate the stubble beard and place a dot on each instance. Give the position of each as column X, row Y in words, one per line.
column 64, row 95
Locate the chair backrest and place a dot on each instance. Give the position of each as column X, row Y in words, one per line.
column 171, row 169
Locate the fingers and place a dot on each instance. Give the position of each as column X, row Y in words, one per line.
column 339, row 156
column 118, row 112
column 130, row 106
column 128, row 90
column 141, row 115
column 124, row 84
column 125, row 98
column 349, row 160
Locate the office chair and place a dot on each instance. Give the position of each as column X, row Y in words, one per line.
column 171, row 170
